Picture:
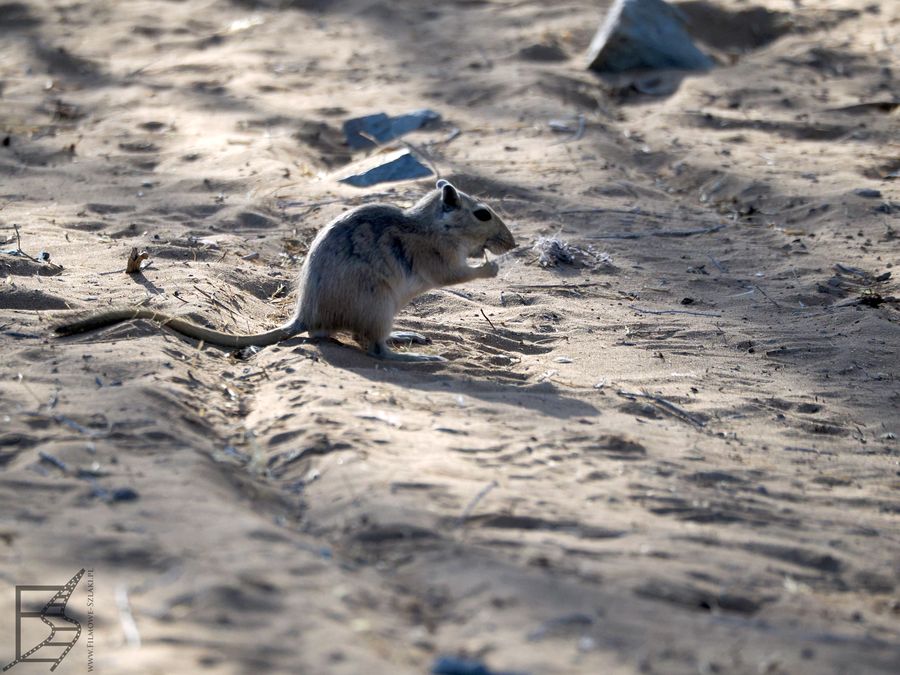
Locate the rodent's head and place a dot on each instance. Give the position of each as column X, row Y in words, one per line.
column 473, row 222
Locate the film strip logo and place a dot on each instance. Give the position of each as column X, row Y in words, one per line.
column 53, row 614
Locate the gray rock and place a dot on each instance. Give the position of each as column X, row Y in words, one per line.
column 868, row 193
column 394, row 166
column 383, row 128
column 644, row 34
column 543, row 52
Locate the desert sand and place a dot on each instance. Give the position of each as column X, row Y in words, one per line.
column 673, row 451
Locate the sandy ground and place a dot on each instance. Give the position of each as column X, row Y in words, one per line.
column 310, row 510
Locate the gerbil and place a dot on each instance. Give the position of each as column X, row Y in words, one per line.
column 362, row 269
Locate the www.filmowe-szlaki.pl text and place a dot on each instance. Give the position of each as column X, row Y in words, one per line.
column 90, row 620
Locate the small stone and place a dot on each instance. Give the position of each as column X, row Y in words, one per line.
column 586, row 643
column 543, row 52
column 125, row 494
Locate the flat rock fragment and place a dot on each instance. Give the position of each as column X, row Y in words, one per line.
column 390, row 167
column 384, row 128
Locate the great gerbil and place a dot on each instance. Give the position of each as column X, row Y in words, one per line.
column 362, row 269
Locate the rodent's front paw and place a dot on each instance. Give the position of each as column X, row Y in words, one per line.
column 490, row 269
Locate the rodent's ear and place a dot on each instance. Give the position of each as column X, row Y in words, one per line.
column 441, row 183
column 450, row 197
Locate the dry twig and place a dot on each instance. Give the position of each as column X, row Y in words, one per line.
column 25, row 255
column 487, row 319
column 133, row 266
column 766, row 295
column 216, row 302
column 668, row 406
column 660, row 233
column 671, row 311
column 477, row 498
column 126, row 618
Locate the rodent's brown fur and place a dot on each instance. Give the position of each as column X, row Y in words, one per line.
column 362, row 269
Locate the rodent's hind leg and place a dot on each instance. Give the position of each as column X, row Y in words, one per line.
column 319, row 334
column 380, row 350
column 408, row 337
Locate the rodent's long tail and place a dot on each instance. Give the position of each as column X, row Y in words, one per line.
column 214, row 337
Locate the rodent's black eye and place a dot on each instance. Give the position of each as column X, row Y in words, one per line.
column 482, row 214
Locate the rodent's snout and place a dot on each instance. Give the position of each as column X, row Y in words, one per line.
column 501, row 242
